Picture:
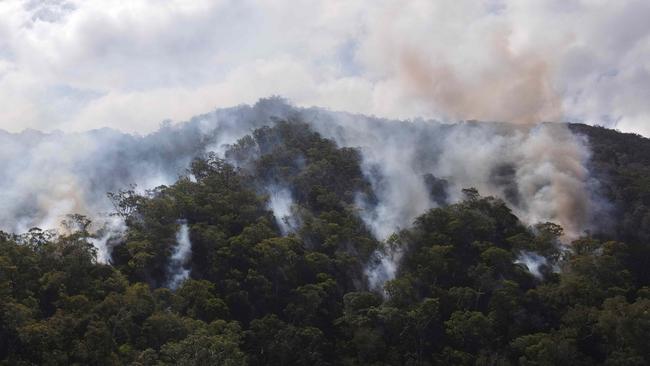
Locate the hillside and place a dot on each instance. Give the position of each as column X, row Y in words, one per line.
column 273, row 254
column 620, row 163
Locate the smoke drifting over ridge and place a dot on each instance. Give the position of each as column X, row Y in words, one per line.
column 539, row 170
column 546, row 181
column 47, row 175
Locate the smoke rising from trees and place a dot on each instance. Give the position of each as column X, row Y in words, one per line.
column 539, row 170
column 180, row 258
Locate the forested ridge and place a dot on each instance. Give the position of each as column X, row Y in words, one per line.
column 263, row 292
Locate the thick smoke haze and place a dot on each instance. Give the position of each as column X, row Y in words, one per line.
column 76, row 65
column 48, row 175
column 539, row 170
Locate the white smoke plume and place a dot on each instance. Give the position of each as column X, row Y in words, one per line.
column 180, row 258
column 108, row 236
column 281, row 203
column 383, row 267
column 533, row 263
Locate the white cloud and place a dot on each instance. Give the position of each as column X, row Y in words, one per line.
column 77, row 65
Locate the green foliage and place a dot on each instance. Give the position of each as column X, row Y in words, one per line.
column 257, row 297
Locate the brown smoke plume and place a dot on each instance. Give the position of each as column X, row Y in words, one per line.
column 553, row 175
column 517, row 87
column 511, row 87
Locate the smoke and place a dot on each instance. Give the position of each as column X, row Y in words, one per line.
column 533, row 263
column 514, row 88
column 395, row 180
column 383, row 266
column 177, row 270
column 107, row 237
column 553, row 178
column 538, row 169
column 507, row 60
column 48, row 175
column 281, row 202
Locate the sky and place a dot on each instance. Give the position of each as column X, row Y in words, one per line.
column 78, row 65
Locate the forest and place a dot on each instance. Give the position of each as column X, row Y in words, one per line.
column 261, row 291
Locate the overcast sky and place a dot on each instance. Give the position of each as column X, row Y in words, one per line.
column 76, row 65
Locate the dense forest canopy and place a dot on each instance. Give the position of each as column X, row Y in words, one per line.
column 474, row 285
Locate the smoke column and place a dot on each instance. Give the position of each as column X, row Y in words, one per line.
column 383, row 268
column 280, row 202
column 533, row 263
column 107, row 237
column 180, row 258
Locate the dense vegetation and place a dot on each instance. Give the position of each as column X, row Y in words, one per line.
column 621, row 165
column 261, row 298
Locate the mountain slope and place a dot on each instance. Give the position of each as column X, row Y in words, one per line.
column 473, row 284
